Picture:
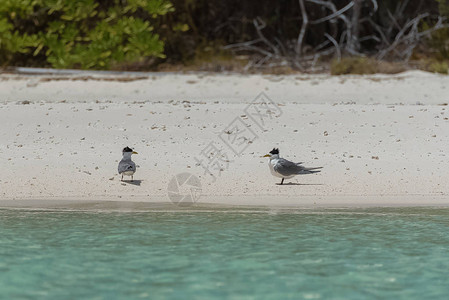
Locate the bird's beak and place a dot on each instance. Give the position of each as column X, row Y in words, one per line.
column 134, row 152
column 266, row 155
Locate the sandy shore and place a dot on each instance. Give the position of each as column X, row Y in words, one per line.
column 381, row 139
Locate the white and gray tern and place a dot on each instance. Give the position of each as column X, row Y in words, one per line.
column 126, row 166
column 286, row 169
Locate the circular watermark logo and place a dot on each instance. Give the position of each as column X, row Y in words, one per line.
column 184, row 189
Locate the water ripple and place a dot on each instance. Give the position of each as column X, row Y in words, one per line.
column 399, row 253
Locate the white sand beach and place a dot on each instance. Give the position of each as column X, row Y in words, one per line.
column 382, row 140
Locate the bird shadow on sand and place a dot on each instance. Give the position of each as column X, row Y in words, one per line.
column 134, row 182
column 297, row 183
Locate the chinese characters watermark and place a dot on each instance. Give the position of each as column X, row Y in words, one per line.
column 184, row 189
column 238, row 135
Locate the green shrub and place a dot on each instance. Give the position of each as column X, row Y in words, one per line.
column 365, row 65
column 438, row 67
column 86, row 34
column 443, row 7
column 439, row 43
column 353, row 65
column 439, row 40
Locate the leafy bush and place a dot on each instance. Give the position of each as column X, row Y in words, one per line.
column 353, row 65
column 88, row 34
column 439, row 43
column 438, row 67
column 439, row 40
column 443, row 7
column 364, row 65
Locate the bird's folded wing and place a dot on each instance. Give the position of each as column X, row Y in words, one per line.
column 126, row 166
column 287, row 168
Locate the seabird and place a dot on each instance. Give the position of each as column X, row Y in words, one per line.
column 126, row 166
column 286, row 169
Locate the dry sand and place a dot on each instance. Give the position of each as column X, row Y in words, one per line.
column 382, row 140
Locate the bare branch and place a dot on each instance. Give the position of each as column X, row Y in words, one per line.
column 260, row 50
column 397, row 34
column 281, row 45
column 302, row 33
column 322, row 45
column 337, row 47
column 328, row 4
column 321, row 53
column 401, row 7
column 240, row 45
column 380, row 31
column 260, row 24
column 334, row 15
column 353, row 41
column 399, row 37
column 370, row 37
column 439, row 25
column 262, row 61
column 398, row 14
column 249, row 46
column 393, row 19
column 409, row 36
column 375, row 5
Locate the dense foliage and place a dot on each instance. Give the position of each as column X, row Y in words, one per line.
column 103, row 34
column 82, row 34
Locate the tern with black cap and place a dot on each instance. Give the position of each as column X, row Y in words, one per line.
column 286, row 169
column 126, row 166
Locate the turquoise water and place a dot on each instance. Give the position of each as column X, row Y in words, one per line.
column 231, row 254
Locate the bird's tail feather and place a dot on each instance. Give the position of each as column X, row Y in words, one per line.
column 313, row 168
column 310, row 170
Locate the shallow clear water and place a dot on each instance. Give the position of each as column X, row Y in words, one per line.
column 400, row 253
